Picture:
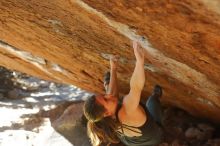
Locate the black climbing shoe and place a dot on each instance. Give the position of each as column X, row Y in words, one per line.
column 157, row 91
column 106, row 79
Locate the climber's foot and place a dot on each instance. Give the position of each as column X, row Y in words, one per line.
column 157, row 92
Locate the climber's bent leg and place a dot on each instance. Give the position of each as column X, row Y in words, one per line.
column 153, row 105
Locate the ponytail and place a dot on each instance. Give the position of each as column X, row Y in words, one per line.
column 100, row 129
column 103, row 131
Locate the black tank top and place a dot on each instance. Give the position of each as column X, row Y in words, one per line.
column 152, row 133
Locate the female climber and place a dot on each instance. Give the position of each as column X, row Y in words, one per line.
column 111, row 119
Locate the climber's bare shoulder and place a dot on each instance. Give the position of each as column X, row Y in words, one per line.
column 137, row 118
column 132, row 122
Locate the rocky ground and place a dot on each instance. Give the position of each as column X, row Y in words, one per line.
column 28, row 106
column 41, row 113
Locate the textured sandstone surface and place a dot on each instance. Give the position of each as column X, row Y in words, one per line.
column 71, row 127
column 70, row 42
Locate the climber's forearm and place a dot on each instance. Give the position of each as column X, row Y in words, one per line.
column 131, row 101
column 138, row 77
column 113, row 84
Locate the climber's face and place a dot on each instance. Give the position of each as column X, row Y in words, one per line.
column 109, row 102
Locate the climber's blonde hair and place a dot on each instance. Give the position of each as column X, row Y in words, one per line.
column 100, row 129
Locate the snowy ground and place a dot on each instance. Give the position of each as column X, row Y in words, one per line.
column 46, row 136
column 36, row 95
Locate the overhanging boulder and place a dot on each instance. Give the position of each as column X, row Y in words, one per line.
column 70, row 42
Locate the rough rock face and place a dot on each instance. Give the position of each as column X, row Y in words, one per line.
column 70, row 41
column 70, row 124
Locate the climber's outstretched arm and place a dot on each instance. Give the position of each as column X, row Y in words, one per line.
column 113, row 84
column 131, row 101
